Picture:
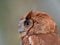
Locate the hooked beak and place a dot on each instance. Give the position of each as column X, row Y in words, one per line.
column 21, row 26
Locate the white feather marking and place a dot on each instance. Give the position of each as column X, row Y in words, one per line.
column 30, row 40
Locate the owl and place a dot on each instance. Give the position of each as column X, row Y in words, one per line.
column 38, row 28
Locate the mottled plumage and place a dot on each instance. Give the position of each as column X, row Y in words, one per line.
column 38, row 28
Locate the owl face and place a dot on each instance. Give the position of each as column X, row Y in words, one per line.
column 36, row 22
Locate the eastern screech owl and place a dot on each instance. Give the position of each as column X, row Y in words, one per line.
column 38, row 28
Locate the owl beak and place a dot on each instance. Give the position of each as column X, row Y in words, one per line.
column 21, row 26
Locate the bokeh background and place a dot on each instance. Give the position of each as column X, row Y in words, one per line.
column 12, row 10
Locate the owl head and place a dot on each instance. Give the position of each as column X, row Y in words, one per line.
column 36, row 22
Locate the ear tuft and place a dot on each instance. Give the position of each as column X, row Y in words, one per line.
column 29, row 15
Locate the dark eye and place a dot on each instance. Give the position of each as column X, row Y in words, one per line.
column 26, row 22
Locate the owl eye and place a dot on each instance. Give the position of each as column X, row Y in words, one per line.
column 27, row 22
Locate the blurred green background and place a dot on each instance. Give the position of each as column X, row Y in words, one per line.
column 12, row 10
